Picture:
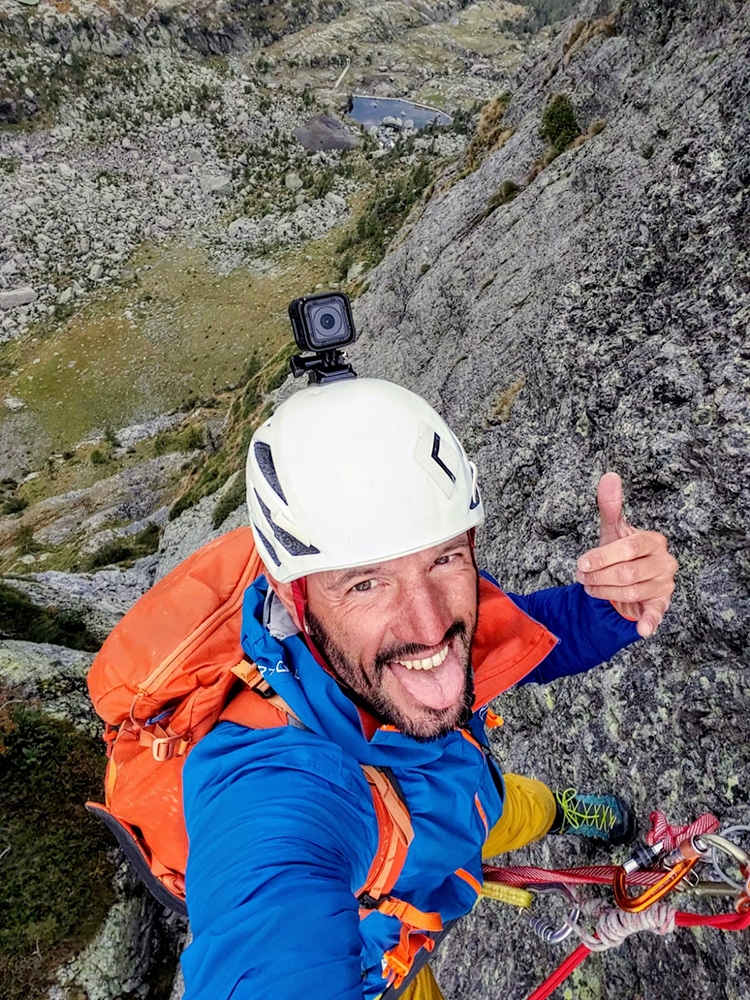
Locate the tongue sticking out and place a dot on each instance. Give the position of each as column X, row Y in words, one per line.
column 439, row 687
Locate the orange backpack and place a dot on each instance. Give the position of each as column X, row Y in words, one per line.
column 169, row 671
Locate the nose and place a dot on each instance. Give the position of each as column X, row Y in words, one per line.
column 423, row 616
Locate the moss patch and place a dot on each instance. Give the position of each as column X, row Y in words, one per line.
column 56, row 877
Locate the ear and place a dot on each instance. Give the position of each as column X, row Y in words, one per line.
column 285, row 594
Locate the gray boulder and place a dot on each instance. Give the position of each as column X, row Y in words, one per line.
column 15, row 297
column 54, row 676
column 325, row 132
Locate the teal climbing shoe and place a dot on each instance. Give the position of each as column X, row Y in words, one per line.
column 601, row 817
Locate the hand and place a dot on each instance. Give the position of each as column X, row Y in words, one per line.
column 631, row 568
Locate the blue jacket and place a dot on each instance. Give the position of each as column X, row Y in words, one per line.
column 282, row 827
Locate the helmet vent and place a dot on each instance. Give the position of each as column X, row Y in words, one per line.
column 264, row 458
column 269, row 548
column 436, row 458
column 293, row 545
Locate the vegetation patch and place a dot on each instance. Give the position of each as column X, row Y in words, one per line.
column 559, row 126
column 502, row 405
column 504, row 194
column 209, row 472
column 384, row 213
column 21, row 619
column 540, row 13
column 126, row 549
column 233, row 498
column 189, row 438
column 54, row 867
column 491, row 133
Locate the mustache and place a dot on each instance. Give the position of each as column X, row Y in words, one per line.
column 412, row 650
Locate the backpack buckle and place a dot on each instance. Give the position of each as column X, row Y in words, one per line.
column 164, row 747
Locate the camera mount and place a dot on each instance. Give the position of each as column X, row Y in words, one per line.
column 327, row 366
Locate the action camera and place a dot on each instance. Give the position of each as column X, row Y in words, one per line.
column 323, row 324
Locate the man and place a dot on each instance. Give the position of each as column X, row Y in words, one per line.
column 387, row 645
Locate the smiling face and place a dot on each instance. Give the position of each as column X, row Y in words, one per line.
column 398, row 635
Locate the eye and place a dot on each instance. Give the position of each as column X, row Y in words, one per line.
column 364, row 586
column 448, row 558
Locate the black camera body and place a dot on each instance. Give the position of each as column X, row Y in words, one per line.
column 322, row 324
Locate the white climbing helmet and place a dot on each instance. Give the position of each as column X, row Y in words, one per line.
column 353, row 473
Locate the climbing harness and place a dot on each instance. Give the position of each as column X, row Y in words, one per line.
column 684, row 859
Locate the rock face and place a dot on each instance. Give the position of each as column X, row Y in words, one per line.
column 54, row 676
column 598, row 320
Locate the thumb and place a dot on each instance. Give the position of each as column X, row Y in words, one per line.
column 609, row 500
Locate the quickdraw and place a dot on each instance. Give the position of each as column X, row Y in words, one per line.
column 682, row 859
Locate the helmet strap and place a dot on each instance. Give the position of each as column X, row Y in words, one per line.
column 299, row 595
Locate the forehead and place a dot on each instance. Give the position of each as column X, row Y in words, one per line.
column 341, row 579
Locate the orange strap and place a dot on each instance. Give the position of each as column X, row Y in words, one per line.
column 395, row 834
column 254, row 705
column 397, row 961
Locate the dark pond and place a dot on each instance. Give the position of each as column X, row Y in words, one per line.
column 372, row 110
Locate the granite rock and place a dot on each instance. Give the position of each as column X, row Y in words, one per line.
column 598, row 320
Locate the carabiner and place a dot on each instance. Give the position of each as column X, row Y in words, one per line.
column 636, row 904
column 719, row 842
column 540, row 926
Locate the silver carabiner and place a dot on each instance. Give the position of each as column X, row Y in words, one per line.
column 540, row 926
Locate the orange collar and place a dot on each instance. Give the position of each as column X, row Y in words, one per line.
column 507, row 646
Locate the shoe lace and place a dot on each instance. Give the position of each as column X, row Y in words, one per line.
column 586, row 810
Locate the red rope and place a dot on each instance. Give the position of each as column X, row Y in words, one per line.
column 721, row 921
column 520, row 875
column 561, row 973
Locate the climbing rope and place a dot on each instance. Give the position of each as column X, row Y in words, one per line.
column 680, row 852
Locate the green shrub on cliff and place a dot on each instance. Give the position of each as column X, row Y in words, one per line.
column 559, row 126
column 55, row 874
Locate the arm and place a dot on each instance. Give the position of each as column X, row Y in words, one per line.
column 276, row 821
column 624, row 589
column 590, row 631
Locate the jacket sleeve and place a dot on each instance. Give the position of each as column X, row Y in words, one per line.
column 274, row 860
column 590, row 630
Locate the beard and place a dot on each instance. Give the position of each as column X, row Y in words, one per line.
column 365, row 687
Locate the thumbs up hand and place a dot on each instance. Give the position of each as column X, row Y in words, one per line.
column 631, row 568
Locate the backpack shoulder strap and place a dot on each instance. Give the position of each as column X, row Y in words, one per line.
column 257, row 706
column 395, row 834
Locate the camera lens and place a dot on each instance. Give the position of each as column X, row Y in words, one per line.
column 327, row 325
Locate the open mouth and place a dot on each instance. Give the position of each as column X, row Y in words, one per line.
column 428, row 662
column 436, row 681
